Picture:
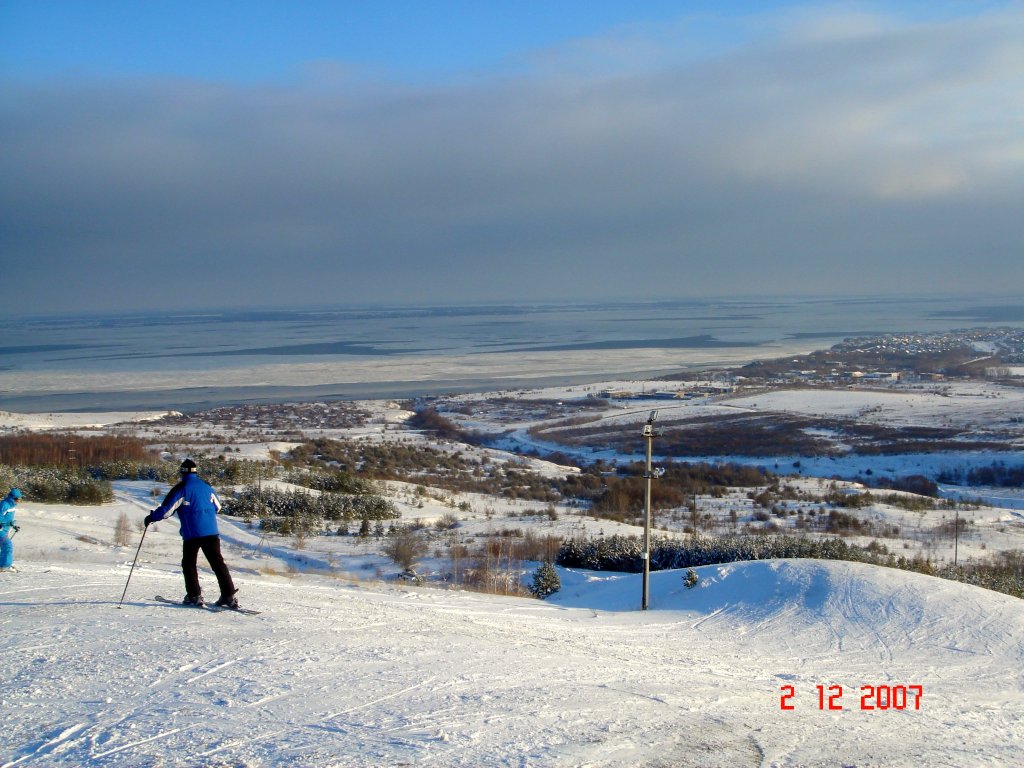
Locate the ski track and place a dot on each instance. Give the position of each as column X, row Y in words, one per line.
column 344, row 675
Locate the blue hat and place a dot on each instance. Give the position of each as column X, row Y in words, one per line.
column 15, row 493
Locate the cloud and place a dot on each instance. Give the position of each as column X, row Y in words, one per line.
column 823, row 155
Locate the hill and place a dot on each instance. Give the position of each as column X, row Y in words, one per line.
column 338, row 672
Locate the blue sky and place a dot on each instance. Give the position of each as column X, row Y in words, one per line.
column 252, row 41
column 438, row 151
column 241, row 41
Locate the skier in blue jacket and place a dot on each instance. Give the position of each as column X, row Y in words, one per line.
column 6, row 525
column 197, row 506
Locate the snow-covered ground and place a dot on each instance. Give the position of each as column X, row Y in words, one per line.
column 40, row 422
column 338, row 671
column 344, row 668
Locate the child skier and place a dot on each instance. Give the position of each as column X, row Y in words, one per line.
column 7, row 509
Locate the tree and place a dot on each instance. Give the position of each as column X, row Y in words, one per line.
column 545, row 581
column 691, row 578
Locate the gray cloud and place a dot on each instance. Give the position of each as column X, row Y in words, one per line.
column 832, row 157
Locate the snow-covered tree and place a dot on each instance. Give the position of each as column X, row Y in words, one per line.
column 545, row 581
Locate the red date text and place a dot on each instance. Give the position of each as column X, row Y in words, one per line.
column 872, row 697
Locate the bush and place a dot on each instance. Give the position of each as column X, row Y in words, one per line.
column 337, row 481
column 122, row 531
column 405, row 549
column 254, row 502
column 57, row 485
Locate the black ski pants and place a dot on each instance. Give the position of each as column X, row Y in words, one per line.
column 211, row 548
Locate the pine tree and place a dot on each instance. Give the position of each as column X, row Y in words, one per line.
column 691, row 578
column 545, row 581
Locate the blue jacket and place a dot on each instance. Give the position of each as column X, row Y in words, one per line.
column 7, row 514
column 197, row 506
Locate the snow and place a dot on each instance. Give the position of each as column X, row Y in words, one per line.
column 373, row 374
column 962, row 404
column 344, row 668
column 39, row 422
column 338, row 671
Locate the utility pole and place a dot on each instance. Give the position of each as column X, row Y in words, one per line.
column 956, row 536
column 649, row 437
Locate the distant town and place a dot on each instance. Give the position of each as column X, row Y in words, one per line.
column 973, row 353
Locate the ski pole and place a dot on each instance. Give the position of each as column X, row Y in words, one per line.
column 141, row 539
column 258, row 544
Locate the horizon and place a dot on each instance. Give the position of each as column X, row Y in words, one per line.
column 183, row 156
column 1012, row 301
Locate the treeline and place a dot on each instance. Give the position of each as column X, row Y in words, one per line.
column 918, row 484
column 381, row 461
column 216, row 471
column 1005, row 573
column 997, row 474
column 338, row 481
column 429, row 420
column 728, row 435
column 300, row 511
column 90, row 484
column 625, row 553
column 610, row 492
column 116, row 457
column 420, row 464
column 53, row 450
column 55, row 485
column 621, row 497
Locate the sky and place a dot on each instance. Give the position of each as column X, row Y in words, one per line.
column 176, row 155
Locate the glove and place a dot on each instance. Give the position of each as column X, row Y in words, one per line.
column 16, row 528
column 149, row 519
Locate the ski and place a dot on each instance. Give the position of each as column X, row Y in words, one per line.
column 225, row 609
column 178, row 603
column 208, row 607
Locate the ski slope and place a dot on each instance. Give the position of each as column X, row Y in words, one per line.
column 338, row 672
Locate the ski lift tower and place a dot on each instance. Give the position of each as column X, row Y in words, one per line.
column 648, row 474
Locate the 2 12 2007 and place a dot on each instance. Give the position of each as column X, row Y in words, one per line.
column 872, row 697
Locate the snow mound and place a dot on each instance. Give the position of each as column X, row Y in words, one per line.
column 829, row 604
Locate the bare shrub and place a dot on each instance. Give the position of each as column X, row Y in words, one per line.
column 496, row 570
column 122, row 531
column 536, row 548
column 446, row 522
column 405, row 549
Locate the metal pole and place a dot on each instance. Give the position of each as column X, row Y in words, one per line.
column 649, row 435
column 647, row 523
column 956, row 536
column 141, row 539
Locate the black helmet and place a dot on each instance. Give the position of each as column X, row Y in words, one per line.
column 187, row 466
